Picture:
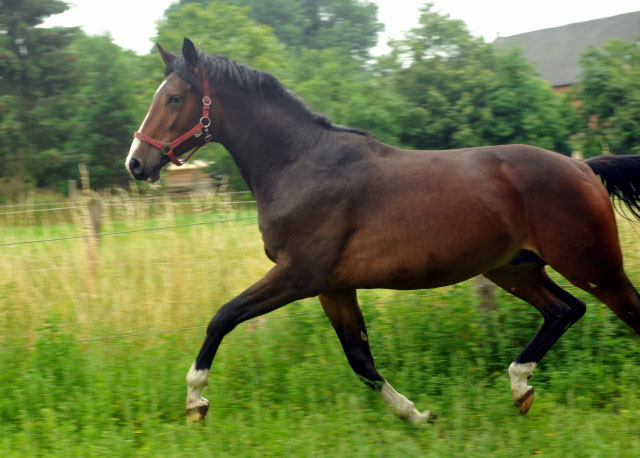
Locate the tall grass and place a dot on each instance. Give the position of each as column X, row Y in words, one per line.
column 280, row 384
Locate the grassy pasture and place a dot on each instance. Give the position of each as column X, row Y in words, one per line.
column 280, row 385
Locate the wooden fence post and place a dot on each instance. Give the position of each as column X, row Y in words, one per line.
column 486, row 291
column 92, row 214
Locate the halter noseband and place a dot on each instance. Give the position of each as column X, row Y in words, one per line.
column 196, row 131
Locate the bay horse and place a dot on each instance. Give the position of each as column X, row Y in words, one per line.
column 339, row 210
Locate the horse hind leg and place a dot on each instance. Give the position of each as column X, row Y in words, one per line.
column 559, row 309
column 620, row 296
column 346, row 317
column 597, row 268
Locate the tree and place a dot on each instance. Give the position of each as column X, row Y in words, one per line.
column 222, row 29
column 525, row 109
column 610, row 97
column 104, row 121
column 36, row 71
column 462, row 92
column 349, row 25
column 347, row 91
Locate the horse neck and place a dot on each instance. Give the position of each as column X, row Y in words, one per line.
column 265, row 137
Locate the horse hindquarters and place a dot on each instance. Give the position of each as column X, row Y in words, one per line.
column 579, row 239
column 573, row 228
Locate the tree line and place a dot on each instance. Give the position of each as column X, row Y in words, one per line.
column 69, row 98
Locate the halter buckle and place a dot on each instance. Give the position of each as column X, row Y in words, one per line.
column 207, row 123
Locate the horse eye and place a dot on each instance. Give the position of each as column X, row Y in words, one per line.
column 174, row 99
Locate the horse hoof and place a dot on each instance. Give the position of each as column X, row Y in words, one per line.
column 198, row 412
column 524, row 403
column 423, row 418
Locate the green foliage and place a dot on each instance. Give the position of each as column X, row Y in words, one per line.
column 103, row 120
column 222, row 29
column 35, row 72
column 348, row 92
column 462, row 92
column 610, row 96
column 67, row 98
column 525, row 109
column 348, row 25
column 19, row 14
column 280, row 385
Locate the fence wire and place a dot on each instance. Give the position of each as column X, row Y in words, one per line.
column 129, row 198
column 106, row 234
column 127, row 204
column 160, row 228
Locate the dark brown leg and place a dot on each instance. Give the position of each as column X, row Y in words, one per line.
column 621, row 297
column 344, row 313
column 278, row 288
column 559, row 309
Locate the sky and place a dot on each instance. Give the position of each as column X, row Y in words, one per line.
column 132, row 23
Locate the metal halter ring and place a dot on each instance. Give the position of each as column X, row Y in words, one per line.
column 208, row 121
column 206, row 100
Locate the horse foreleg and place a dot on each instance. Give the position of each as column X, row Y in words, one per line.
column 560, row 310
column 344, row 313
column 278, row 288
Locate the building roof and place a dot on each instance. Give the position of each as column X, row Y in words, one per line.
column 556, row 52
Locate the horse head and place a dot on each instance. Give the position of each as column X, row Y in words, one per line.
column 178, row 119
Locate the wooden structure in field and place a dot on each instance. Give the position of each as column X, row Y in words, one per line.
column 192, row 176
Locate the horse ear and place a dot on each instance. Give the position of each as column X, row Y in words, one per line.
column 167, row 57
column 190, row 54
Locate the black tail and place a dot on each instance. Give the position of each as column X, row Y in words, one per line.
column 621, row 177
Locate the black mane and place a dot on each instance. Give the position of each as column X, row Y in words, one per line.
column 225, row 70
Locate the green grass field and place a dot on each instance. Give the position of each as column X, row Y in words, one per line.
column 280, row 385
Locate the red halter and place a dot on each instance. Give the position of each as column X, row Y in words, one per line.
column 196, row 131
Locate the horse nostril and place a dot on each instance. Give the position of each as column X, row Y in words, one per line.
column 135, row 167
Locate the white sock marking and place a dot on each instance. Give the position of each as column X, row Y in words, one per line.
column 404, row 408
column 197, row 380
column 519, row 375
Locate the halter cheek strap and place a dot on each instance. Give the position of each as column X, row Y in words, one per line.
column 202, row 128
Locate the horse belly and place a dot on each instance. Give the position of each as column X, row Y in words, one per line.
column 421, row 256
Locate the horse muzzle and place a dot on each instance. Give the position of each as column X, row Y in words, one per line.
column 136, row 169
column 141, row 171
